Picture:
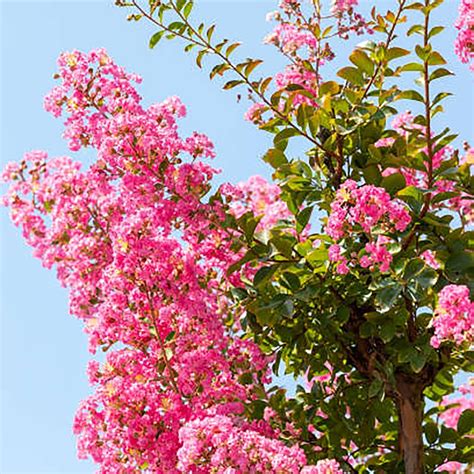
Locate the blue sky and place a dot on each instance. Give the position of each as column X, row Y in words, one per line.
column 43, row 349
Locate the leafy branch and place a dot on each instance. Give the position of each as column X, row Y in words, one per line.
column 201, row 37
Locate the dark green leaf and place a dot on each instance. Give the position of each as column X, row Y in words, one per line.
column 393, row 182
column 466, row 422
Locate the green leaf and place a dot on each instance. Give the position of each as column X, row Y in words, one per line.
column 187, row 9
column 362, row 61
column 180, row 4
column 427, row 278
column 435, row 59
column 460, row 262
column 249, row 256
column 232, row 84
column 248, row 223
column 366, row 330
column 176, row 25
column 291, row 281
column 448, row 435
column 372, row 174
column 264, row 274
column 342, row 314
column 210, row 32
column 218, row 69
column 393, row 182
column 436, row 30
column 466, row 422
column 388, row 331
column 413, row 197
column 317, row 257
column 239, row 293
column 431, row 432
column 275, row 158
column 412, row 67
column 410, row 95
column 396, row 52
column 352, row 75
column 375, row 387
column 330, row 87
column 283, row 136
column 199, row 58
column 231, row 48
column 284, row 244
column 302, row 218
column 385, row 298
column 439, row 97
column 418, row 29
column 422, row 52
column 417, row 362
column 439, row 73
column 251, row 65
column 156, row 38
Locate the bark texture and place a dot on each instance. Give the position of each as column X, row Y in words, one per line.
column 410, row 414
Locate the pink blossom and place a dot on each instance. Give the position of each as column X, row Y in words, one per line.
column 300, row 76
column 254, row 113
column 341, row 6
column 454, row 316
column 457, row 405
column 219, row 443
column 290, row 38
column 464, row 44
column 360, row 210
column 452, row 466
column 259, row 196
column 326, row 466
column 430, row 259
column 138, row 248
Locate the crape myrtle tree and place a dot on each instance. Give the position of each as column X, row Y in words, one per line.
column 350, row 271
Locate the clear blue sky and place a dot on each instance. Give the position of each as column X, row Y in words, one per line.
column 43, row 349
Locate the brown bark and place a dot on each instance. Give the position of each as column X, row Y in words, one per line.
column 410, row 415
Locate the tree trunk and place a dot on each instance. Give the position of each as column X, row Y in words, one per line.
column 410, row 416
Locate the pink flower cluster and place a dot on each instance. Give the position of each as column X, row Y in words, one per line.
column 145, row 259
column 454, row 316
column 254, row 113
column 340, row 7
column 457, row 405
column 362, row 210
column 260, row 197
column 404, row 125
column 429, row 258
column 217, row 444
column 464, row 44
column 302, row 77
column 344, row 10
column 451, row 466
column 326, row 466
column 290, row 38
